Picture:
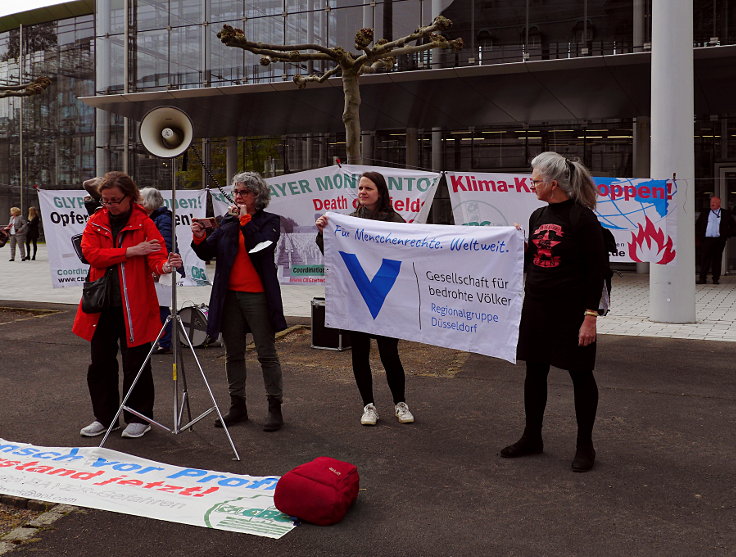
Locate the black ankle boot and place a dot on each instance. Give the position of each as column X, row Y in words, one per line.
column 584, row 458
column 525, row 446
column 237, row 413
column 275, row 420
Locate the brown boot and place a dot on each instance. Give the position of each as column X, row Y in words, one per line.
column 237, row 413
column 275, row 420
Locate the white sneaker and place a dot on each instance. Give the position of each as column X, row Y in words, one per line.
column 136, row 430
column 370, row 415
column 94, row 429
column 403, row 414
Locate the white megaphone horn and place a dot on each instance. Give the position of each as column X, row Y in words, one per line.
column 166, row 132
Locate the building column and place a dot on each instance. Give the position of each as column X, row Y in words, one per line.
column 366, row 148
column 672, row 287
column 640, row 25
column 411, row 160
column 231, row 158
column 641, row 160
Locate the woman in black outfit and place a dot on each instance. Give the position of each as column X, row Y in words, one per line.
column 32, row 233
column 375, row 204
column 565, row 262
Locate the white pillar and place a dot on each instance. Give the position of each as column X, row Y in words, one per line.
column 672, row 287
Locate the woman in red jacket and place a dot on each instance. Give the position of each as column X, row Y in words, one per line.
column 120, row 235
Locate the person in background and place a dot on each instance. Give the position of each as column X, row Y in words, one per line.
column 246, row 296
column 17, row 228
column 565, row 265
column 92, row 199
column 121, row 236
column 712, row 229
column 153, row 203
column 33, row 233
column 375, row 204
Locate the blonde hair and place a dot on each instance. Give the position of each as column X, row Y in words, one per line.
column 32, row 212
column 15, row 211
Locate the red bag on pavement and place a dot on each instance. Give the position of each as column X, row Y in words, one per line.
column 320, row 492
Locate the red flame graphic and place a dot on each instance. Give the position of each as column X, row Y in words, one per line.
column 651, row 244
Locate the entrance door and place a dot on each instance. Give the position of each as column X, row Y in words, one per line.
column 726, row 190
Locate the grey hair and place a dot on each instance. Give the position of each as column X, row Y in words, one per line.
column 151, row 199
column 256, row 184
column 571, row 176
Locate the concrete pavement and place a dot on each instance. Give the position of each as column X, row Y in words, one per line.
column 662, row 485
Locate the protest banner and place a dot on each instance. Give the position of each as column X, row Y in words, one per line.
column 64, row 215
column 453, row 286
column 300, row 198
column 104, row 479
column 636, row 211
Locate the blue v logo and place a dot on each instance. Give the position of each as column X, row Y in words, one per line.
column 374, row 291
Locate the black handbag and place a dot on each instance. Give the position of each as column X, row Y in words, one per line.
column 96, row 296
column 77, row 244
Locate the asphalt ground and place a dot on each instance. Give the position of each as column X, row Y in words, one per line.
column 663, row 483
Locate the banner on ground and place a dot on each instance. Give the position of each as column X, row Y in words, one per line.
column 636, row 211
column 104, row 479
column 302, row 197
column 453, row 286
column 64, row 215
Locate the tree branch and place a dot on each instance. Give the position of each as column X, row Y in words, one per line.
column 25, row 89
column 231, row 36
column 455, row 44
column 440, row 23
column 302, row 80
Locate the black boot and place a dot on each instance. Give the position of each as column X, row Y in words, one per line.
column 584, row 458
column 527, row 445
column 237, row 413
column 275, row 420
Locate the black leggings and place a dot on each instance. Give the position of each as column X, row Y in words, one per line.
column 535, row 400
column 388, row 349
column 30, row 241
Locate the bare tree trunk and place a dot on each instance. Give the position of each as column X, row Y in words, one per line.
column 351, row 116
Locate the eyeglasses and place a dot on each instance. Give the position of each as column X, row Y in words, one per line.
column 535, row 182
column 242, row 192
column 112, row 201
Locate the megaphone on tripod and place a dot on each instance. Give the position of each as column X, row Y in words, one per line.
column 166, row 132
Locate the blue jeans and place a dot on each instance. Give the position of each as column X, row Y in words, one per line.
column 247, row 312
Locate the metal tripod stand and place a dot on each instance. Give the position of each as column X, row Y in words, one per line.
column 177, row 371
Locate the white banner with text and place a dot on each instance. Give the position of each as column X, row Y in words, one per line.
column 100, row 478
column 300, row 198
column 637, row 211
column 64, row 215
column 453, row 286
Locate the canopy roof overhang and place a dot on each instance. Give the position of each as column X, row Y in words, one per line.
column 575, row 89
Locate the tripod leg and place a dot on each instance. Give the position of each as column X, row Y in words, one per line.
column 132, row 386
column 182, row 373
column 215, row 407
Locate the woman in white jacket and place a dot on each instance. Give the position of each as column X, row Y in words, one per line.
column 17, row 228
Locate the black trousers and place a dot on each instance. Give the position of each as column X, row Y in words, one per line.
column 102, row 375
column 711, row 251
column 388, row 350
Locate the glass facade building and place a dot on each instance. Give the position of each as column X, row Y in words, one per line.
column 145, row 46
column 56, row 131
